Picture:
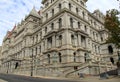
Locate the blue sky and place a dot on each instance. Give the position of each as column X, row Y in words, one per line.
column 13, row 11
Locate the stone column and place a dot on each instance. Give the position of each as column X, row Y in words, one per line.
column 42, row 47
column 53, row 41
column 35, row 39
column 66, row 22
column 57, row 41
column 38, row 50
column 86, row 42
column 65, row 4
column 46, row 44
column 79, row 40
column 34, row 50
column 67, row 37
column 38, row 37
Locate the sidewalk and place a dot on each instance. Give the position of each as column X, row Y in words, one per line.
column 86, row 79
column 3, row 80
column 97, row 79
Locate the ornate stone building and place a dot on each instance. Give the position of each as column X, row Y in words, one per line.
column 0, row 55
column 61, row 39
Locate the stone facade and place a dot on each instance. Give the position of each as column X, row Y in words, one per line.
column 62, row 39
column 0, row 54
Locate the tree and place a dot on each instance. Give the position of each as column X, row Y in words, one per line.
column 112, row 24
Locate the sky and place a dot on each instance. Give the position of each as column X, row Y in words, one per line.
column 13, row 11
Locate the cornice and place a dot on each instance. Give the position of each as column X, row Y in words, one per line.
column 63, row 11
column 90, row 14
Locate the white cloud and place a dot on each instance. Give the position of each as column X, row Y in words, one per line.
column 12, row 11
column 102, row 5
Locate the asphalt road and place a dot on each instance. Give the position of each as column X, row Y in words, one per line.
column 17, row 78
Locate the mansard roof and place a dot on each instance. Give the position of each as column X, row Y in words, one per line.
column 10, row 32
column 34, row 13
column 43, row 1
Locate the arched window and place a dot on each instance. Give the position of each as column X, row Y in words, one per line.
column 72, row 39
column 71, row 22
column 45, row 29
column 82, row 3
column 78, row 24
column 110, row 49
column 85, row 57
column 60, row 7
column 83, row 41
column 60, row 23
column 70, row 6
column 77, row 10
column 48, row 58
column 49, row 42
column 16, row 65
column 52, row 12
column 36, row 51
column 52, row 26
column 46, row 15
column 60, row 58
column 60, row 40
column 112, row 60
column 74, row 56
column 85, row 28
column 37, row 38
column 83, row 14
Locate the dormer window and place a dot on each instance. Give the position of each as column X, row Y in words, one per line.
column 82, row 3
column 52, row 1
column 46, row 4
column 35, row 20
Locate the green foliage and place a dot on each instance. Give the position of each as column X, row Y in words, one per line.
column 112, row 24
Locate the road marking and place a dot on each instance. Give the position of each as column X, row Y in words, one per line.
column 1, row 80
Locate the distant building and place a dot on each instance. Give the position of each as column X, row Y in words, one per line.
column 62, row 39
